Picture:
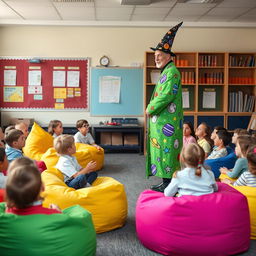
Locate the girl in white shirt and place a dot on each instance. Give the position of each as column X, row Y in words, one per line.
column 55, row 128
column 194, row 179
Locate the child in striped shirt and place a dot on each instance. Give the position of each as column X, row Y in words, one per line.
column 248, row 178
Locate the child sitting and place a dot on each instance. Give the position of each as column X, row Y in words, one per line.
column 23, row 188
column 22, row 127
column 203, row 132
column 15, row 141
column 248, row 178
column 1, row 138
column 241, row 165
column 215, row 130
column 222, row 139
column 55, row 128
column 3, row 167
column 188, row 133
column 83, row 135
column 74, row 175
column 194, row 179
column 238, row 132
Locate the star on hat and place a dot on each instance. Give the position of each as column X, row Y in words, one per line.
column 166, row 43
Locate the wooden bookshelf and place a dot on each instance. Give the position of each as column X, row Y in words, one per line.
column 222, row 72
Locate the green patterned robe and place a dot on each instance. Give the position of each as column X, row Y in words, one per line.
column 165, row 125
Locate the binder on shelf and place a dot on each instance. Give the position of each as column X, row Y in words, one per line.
column 154, row 75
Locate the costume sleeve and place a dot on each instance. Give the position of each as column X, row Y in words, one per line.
column 163, row 97
column 238, row 168
column 241, row 180
column 172, row 188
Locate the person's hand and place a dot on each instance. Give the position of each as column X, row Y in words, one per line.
column 146, row 112
column 90, row 167
column 55, row 207
column 223, row 170
column 98, row 147
column 227, row 181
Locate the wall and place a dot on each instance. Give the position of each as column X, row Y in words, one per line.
column 124, row 45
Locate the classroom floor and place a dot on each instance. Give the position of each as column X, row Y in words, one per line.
column 129, row 169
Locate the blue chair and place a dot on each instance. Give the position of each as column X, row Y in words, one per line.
column 227, row 161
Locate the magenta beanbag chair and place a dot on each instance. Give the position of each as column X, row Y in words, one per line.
column 214, row 224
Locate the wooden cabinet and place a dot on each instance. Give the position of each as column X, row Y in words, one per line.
column 228, row 76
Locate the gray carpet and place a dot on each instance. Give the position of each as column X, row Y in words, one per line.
column 129, row 169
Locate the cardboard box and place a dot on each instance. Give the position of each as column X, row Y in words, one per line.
column 131, row 139
column 27, row 121
column 117, row 138
column 105, row 138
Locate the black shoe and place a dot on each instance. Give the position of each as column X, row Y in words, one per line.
column 161, row 188
column 156, row 186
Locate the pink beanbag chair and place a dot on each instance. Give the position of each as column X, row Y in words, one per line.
column 216, row 224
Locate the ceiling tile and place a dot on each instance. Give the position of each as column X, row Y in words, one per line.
column 188, row 5
column 227, row 11
column 145, row 17
column 189, row 11
column 238, row 3
column 215, row 18
column 246, row 18
column 108, row 3
column 179, row 18
column 76, row 13
column 163, row 3
column 150, row 11
column 114, row 11
column 7, row 13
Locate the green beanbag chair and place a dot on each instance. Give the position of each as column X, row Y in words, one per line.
column 68, row 234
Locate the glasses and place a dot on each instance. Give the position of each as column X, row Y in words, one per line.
column 86, row 125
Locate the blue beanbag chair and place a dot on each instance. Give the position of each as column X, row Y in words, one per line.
column 227, row 161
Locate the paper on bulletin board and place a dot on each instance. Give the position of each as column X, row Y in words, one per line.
column 59, row 78
column 73, row 78
column 77, row 92
column 13, row 94
column 109, row 89
column 70, row 93
column 59, row 105
column 34, row 77
column 35, row 89
column 10, row 77
column 185, row 98
column 60, row 93
column 209, row 98
column 38, row 97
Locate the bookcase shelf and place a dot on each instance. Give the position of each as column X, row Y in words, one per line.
column 221, row 72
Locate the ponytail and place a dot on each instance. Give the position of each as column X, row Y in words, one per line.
column 198, row 171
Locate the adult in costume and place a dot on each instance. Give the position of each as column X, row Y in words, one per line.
column 165, row 116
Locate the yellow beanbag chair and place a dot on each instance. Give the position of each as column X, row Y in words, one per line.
column 250, row 193
column 37, row 142
column 105, row 199
column 84, row 154
column 225, row 176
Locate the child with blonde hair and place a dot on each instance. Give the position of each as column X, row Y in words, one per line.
column 248, row 178
column 203, row 133
column 23, row 189
column 74, row 175
column 194, row 179
column 55, row 128
column 241, row 165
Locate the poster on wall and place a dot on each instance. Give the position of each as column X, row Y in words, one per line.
column 13, row 94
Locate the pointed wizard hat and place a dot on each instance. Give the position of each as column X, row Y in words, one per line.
column 166, row 43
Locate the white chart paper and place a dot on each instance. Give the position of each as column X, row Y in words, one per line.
column 73, row 78
column 185, row 99
column 109, row 89
column 209, row 99
column 34, row 77
column 10, row 77
column 35, row 89
column 59, row 78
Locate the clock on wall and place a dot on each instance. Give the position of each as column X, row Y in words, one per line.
column 104, row 61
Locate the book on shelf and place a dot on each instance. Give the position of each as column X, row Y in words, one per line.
column 240, row 102
column 242, row 61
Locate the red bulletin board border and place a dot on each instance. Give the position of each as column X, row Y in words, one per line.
column 47, row 67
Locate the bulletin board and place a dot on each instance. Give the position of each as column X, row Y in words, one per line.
column 131, row 92
column 54, row 83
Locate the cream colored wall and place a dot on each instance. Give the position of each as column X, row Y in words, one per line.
column 124, row 45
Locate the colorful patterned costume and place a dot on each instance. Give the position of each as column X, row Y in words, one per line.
column 165, row 133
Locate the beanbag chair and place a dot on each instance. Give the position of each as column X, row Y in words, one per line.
column 227, row 161
column 68, row 234
column 84, row 154
column 250, row 193
column 105, row 199
column 37, row 142
column 2, row 192
column 194, row 225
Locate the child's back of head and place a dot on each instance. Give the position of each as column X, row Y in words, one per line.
column 62, row 143
column 225, row 136
column 23, row 186
column 251, row 157
column 12, row 136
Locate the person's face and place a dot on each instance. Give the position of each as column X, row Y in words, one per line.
column 24, row 129
column 200, row 131
column 4, row 164
column 84, row 129
column 234, row 138
column 238, row 150
column 161, row 58
column 217, row 141
column 213, row 135
column 58, row 130
column 186, row 130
